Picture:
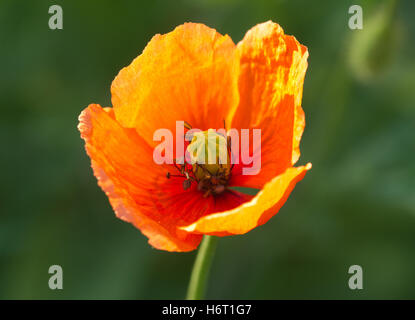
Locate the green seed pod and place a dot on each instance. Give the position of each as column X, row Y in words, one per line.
column 209, row 154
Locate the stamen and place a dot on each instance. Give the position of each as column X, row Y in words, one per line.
column 187, row 125
column 169, row 175
column 211, row 178
column 186, row 184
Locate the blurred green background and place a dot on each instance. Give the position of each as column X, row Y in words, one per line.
column 356, row 206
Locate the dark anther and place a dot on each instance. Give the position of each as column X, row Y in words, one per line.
column 187, row 125
column 219, row 189
column 186, row 184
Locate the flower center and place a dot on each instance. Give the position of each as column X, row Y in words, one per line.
column 209, row 155
column 210, row 163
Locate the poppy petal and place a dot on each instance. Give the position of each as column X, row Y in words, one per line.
column 123, row 164
column 188, row 75
column 253, row 213
column 272, row 70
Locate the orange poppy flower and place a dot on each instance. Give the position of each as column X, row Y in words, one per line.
column 195, row 74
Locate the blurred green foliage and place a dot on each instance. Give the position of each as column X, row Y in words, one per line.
column 356, row 206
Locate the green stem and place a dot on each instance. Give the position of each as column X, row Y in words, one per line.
column 201, row 268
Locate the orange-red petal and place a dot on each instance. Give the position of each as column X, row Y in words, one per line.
column 253, row 213
column 188, row 75
column 272, row 70
column 135, row 186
